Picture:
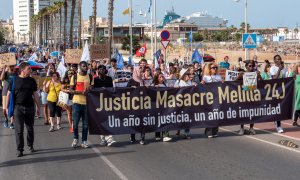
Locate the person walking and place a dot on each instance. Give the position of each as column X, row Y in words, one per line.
column 80, row 84
column 23, row 88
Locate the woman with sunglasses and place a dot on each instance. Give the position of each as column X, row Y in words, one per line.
column 184, row 81
column 211, row 74
column 250, row 67
column 66, row 88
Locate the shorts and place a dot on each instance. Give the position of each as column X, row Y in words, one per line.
column 4, row 98
column 54, row 109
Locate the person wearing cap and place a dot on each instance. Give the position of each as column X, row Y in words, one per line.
column 225, row 64
column 184, row 81
column 104, row 81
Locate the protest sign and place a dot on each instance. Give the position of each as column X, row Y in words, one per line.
column 152, row 109
column 231, row 75
column 170, row 82
column 8, row 59
column 121, row 84
column 99, row 51
column 123, row 74
column 146, row 82
column 73, row 56
column 250, row 81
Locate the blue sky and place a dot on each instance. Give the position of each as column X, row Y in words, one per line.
column 262, row 13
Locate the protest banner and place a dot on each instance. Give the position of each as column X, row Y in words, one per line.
column 8, row 59
column 73, row 56
column 170, row 82
column 123, row 74
column 146, row 82
column 249, row 81
column 231, row 75
column 99, row 51
column 142, row 109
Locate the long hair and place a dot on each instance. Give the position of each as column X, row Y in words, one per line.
column 207, row 68
column 155, row 79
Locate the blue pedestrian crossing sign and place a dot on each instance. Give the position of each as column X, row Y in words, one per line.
column 249, row 41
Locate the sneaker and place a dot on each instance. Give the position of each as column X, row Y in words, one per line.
column 215, row 135
column 167, row 139
column 6, row 124
column 142, row 142
column 71, row 130
column 58, row 127
column 85, row 144
column 20, row 154
column 110, row 143
column 157, row 139
column 252, row 131
column 103, row 143
column 132, row 141
column 279, row 130
column 242, row 131
column 210, row 136
column 51, row 129
column 12, row 126
column 31, row 149
column 296, row 124
column 74, row 143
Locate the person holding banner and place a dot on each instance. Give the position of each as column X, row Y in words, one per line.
column 104, row 81
column 250, row 67
column 211, row 74
column 278, row 71
column 80, row 84
column 184, row 81
column 159, row 81
column 297, row 96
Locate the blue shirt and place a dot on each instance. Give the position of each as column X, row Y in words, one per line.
column 224, row 65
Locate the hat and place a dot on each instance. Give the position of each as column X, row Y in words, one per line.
column 183, row 71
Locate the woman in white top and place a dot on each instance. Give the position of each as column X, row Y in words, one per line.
column 184, row 81
column 211, row 74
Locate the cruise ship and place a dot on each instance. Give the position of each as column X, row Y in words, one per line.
column 201, row 19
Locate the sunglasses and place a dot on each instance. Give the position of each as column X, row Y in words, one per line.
column 250, row 66
column 214, row 68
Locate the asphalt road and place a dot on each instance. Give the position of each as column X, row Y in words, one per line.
column 228, row 156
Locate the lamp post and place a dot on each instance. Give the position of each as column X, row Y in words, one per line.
column 247, row 55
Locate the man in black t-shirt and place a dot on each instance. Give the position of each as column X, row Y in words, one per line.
column 24, row 96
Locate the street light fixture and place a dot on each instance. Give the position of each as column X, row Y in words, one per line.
column 246, row 26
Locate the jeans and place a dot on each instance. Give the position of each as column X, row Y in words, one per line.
column 80, row 111
column 23, row 114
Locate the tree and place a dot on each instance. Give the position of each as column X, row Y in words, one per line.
column 126, row 43
column 65, row 21
column 110, row 25
column 79, row 23
column 242, row 27
column 72, row 22
column 198, row 37
column 100, row 40
column 94, row 16
column 2, row 39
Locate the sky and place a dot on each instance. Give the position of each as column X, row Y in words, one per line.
column 261, row 13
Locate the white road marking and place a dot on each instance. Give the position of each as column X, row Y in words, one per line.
column 264, row 141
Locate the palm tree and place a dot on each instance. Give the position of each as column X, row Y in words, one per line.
column 110, row 25
column 79, row 24
column 94, row 16
column 72, row 22
column 65, row 21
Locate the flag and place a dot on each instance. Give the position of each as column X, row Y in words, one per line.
column 156, row 57
column 120, row 62
column 196, row 57
column 191, row 37
column 149, row 9
column 116, row 54
column 130, row 61
column 142, row 51
column 33, row 57
column 61, row 69
column 62, row 59
column 86, row 53
column 126, row 11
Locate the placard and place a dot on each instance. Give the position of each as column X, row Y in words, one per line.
column 231, row 75
column 249, row 81
column 121, row 84
column 123, row 74
column 73, row 56
column 8, row 59
column 99, row 51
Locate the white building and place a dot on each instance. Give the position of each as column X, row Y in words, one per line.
column 40, row 4
column 23, row 10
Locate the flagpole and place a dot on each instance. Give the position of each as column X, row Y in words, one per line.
column 155, row 29
column 130, row 26
column 152, row 52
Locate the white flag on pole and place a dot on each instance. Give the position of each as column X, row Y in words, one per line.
column 86, row 53
column 61, row 69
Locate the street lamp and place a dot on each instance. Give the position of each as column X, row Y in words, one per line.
column 246, row 26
